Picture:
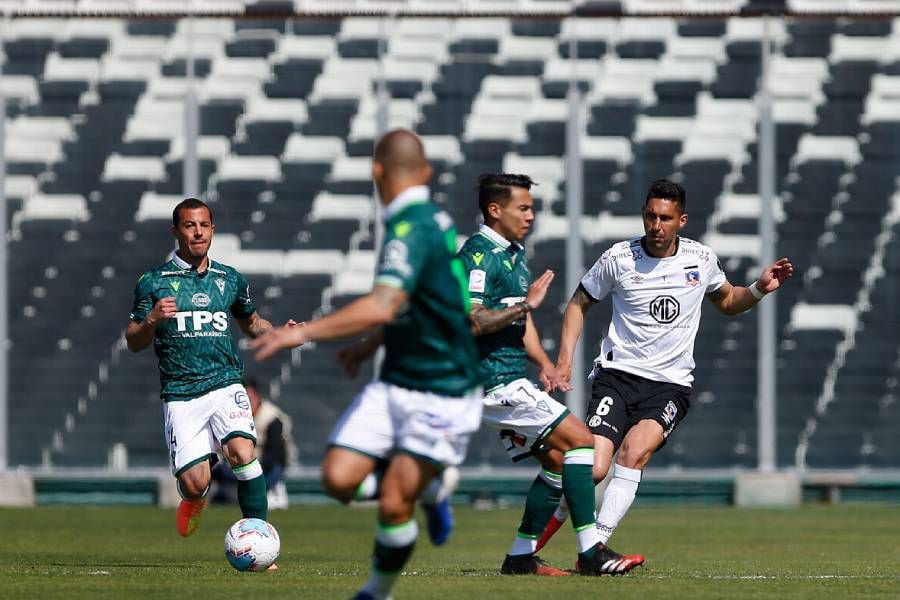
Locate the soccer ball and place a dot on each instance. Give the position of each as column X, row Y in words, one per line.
column 252, row 545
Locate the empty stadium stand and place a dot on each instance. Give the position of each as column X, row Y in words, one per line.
column 288, row 111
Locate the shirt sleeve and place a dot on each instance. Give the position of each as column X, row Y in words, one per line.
column 143, row 299
column 476, row 267
column 403, row 257
column 600, row 278
column 716, row 276
column 243, row 306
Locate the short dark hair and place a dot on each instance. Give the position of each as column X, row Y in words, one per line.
column 497, row 187
column 667, row 190
column 188, row 204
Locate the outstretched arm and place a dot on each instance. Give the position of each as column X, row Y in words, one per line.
column 379, row 307
column 255, row 326
column 733, row 300
column 485, row 320
column 573, row 323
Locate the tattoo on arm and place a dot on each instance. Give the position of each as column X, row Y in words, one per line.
column 485, row 321
column 582, row 298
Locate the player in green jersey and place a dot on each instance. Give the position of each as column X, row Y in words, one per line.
column 419, row 415
column 529, row 421
column 182, row 308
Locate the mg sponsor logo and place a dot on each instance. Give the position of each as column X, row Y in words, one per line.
column 195, row 320
column 664, row 309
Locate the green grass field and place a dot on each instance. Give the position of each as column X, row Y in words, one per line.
column 849, row 551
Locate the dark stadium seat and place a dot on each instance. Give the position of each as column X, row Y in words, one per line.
column 73, row 279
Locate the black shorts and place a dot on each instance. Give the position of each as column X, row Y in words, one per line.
column 619, row 400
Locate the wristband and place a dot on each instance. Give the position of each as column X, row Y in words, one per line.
column 754, row 291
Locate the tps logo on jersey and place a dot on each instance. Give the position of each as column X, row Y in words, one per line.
column 196, row 319
column 692, row 277
column 220, row 283
column 664, row 309
column 200, row 300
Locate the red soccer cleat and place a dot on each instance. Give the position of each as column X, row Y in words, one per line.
column 188, row 516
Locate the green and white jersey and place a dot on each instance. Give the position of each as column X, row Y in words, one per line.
column 429, row 347
column 196, row 351
column 498, row 278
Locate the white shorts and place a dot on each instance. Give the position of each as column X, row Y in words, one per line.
column 523, row 415
column 385, row 418
column 197, row 428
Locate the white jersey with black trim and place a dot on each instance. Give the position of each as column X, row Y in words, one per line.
column 656, row 307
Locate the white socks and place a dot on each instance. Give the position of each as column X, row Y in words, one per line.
column 617, row 500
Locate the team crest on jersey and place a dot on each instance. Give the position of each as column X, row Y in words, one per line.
column 692, row 277
column 220, row 283
column 200, row 300
column 523, row 283
column 242, row 400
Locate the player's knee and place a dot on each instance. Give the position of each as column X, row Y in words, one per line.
column 394, row 509
column 583, row 438
column 338, row 486
column 599, row 472
column 633, row 456
column 239, row 451
column 193, row 485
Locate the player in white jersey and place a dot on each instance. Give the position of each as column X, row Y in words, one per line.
column 642, row 376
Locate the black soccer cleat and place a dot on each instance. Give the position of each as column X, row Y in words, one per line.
column 529, row 564
column 606, row 561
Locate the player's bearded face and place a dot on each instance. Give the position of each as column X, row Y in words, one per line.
column 194, row 232
column 516, row 216
column 662, row 222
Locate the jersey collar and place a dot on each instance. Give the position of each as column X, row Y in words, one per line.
column 498, row 239
column 181, row 264
column 412, row 195
column 647, row 252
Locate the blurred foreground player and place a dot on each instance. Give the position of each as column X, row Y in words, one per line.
column 182, row 308
column 419, row 415
column 642, row 377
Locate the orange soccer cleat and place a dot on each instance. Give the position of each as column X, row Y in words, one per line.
column 188, row 516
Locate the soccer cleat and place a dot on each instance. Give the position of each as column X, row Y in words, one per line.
column 606, row 561
column 552, row 527
column 188, row 516
column 439, row 514
column 529, row 564
column 440, row 521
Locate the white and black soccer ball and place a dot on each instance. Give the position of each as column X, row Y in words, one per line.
column 252, row 545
